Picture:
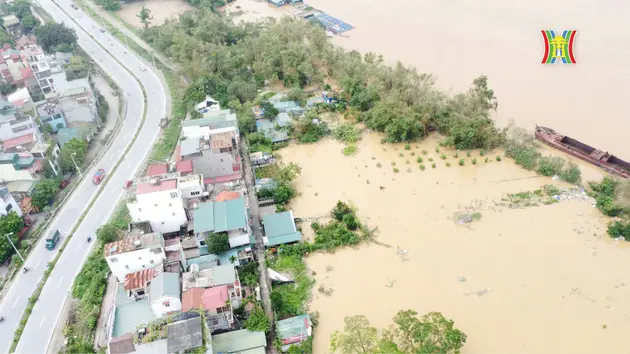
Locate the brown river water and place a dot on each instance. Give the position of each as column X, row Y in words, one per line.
column 540, row 279
column 543, row 279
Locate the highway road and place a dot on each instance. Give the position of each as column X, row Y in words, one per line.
column 43, row 319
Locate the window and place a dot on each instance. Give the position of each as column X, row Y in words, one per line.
column 173, row 194
column 173, row 214
column 140, row 210
column 221, row 160
column 162, row 222
column 166, row 304
column 155, row 205
column 169, row 204
column 139, row 258
column 9, row 207
column 126, row 266
column 151, row 261
column 195, row 193
column 140, row 293
column 113, row 259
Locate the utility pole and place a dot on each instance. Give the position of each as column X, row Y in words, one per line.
column 16, row 250
column 75, row 165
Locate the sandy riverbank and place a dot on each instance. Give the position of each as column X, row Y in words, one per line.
column 549, row 277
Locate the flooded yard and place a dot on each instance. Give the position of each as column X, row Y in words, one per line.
column 538, row 279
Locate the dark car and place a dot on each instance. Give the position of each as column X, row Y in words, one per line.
column 74, row 6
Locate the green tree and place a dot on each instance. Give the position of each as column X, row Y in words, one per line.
column 257, row 320
column 29, row 22
column 55, row 36
column 249, row 274
column 145, row 17
column 10, row 223
column 283, row 193
column 218, row 243
column 44, row 192
column 6, row 88
column 358, row 336
column 20, row 8
column 430, row 334
column 269, row 111
column 110, row 5
column 107, row 233
column 76, row 149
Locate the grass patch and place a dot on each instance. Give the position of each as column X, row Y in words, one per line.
column 350, row 149
column 347, row 133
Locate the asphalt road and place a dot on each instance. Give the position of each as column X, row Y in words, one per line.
column 40, row 326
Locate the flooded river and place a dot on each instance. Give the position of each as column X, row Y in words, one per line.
column 540, row 279
column 459, row 40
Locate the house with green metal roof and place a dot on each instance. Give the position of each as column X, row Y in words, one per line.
column 129, row 312
column 228, row 216
column 280, row 229
column 242, row 341
column 165, row 294
column 294, row 330
column 64, row 135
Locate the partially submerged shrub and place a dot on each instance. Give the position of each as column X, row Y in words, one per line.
column 550, row 166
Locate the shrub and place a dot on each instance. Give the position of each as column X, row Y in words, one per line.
column 348, row 133
column 456, row 155
column 482, row 152
column 401, row 154
column 468, row 153
column 249, row 274
column 218, row 243
column 619, row 229
column 433, row 165
column 424, row 152
column 498, row 158
column 350, row 221
column 473, row 161
column 407, row 147
column 257, row 320
column 448, row 164
column 396, row 170
column 571, row 174
column 419, row 159
column 437, row 149
column 443, row 156
column 338, row 212
column 349, row 149
column 461, row 162
column 430, row 159
column 521, row 146
column 551, row 190
column 550, row 166
column 422, row 167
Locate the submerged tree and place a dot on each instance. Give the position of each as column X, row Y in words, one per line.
column 145, row 17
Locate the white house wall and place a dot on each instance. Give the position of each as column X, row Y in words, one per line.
column 164, row 213
column 135, row 261
column 159, row 310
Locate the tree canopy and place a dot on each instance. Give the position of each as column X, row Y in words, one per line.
column 145, row 17
column 55, row 37
column 218, row 243
column 10, row 223
column 76, row 147
column 431, row 333
column 238, row 59
column 44, row 192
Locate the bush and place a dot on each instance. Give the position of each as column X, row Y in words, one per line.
column 249, row 274
column 461, row 162
column 521, row 146
column 619, row 229
column 350, row 221
column 257, row 320
column 340, row 210
column 218, row 243
column 550, row 166
column 349, row 149
column 571, row 174
column 347, row 133
column 551, row 190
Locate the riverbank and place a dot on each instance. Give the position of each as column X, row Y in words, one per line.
column 551, row 264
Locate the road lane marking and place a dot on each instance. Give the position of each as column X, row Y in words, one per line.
column 37, row 265
column 15, row 303
column 60, row 280
column 79, row 247
column 42, row 322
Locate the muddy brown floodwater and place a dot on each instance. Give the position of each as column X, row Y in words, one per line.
column 540, row 279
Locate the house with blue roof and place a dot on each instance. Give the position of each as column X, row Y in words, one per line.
column 229, row 216
column 280, row 229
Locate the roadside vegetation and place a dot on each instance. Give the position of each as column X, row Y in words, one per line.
column 90, row 285
column 282, row 189
column 431, row 333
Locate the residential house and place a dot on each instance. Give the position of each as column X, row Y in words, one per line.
column 134, row 253
column 212, row 277
column 125, row 344
column 21, row 98
column 260, row 158
column 242, row 341
column 185, row 335
column 291, row 107
column 165, row 294
column 294, row 330
column 277, row 3
column 128, row 313
column 229, row 216
column 8, row 203
column 40, row 151
column 14, row 124
column 192, row 186
column 52, row 115
column 160, row 202
column 208, row 105
column 280, row 229
column 11, row 66
column 43, row 67
column 314, row 100
column 83, row 132
column 136, row 284
column 12, row 25
column 183, row 167
column 175, row 261
column 215, row 167
column 19, row 182
column 215, row 302
column 213, row 122
column 275, row 130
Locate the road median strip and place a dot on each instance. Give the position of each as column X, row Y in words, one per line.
column 33, row 299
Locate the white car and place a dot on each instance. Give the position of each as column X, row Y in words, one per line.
column 143, row 68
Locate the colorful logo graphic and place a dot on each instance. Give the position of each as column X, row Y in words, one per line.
column 558, row 47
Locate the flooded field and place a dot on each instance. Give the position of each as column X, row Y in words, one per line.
column 161, row 10
column 539, row 279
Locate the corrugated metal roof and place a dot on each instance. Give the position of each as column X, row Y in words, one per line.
column 280, row 228
column 204, row 217
column 165, row 284
column 239, row 341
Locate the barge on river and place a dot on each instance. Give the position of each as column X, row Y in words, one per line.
column 608, row 162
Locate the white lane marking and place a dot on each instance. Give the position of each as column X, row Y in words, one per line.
column 15, row 303
column 79, row 247
column 37, row 265
column 42, row 322
column 97, row 214
column 60, row 280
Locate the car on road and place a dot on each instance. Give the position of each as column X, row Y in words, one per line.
column 142, row 68
column 51, row 240
column 64, row 183
column 74, row 6
column 127, row 184
column 98, row 176
column 102, row 30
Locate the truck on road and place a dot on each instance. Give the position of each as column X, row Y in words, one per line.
column 51, row 240
column 98, row 176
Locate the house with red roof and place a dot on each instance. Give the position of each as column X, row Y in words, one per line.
column 214, row 300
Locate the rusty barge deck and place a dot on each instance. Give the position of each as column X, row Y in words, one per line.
column 605, row 160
